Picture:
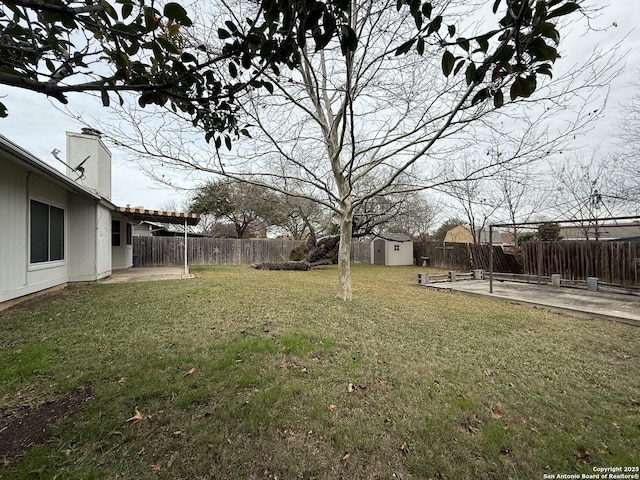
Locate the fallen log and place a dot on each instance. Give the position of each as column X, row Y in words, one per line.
column 301, row 266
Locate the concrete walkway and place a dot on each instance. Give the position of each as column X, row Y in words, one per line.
column 146, row 274
column 577, row 302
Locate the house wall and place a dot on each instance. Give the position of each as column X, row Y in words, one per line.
column 82, row 239
column 122, row 256
column 13, row 230
column 17, row 276
column 458, row 234
column 103, row 242
column 142, row 230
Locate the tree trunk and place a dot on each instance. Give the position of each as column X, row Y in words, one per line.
column 344, row 255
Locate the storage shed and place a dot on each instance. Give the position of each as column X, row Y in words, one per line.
column 392, row 249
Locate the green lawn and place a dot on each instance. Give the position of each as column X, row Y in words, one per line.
column 243, row 373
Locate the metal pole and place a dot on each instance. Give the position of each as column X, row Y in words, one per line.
column 490, row 258
column 186, row 265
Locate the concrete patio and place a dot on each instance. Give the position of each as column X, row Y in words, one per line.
column 146, row 274
column 604, row 305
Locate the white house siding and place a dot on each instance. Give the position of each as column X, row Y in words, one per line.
column 122, row 256
column 42, row 276
column 13, row 230
column 17, row 188
column 103, row 242
column 82, row 239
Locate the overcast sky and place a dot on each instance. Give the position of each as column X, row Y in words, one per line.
column 36, row 125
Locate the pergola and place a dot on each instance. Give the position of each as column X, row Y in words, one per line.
column 176, row 218
column 598, row 222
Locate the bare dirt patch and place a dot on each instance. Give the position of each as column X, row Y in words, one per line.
column 24, row 426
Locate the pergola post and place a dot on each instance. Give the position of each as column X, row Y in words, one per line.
column 490, row 258
column 186, row 264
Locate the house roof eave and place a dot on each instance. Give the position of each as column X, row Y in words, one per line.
column 19, row 155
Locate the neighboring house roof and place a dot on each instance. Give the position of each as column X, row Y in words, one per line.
column 496, row 237
column 507, row 238
column 174, row 228
column 30, row 162
column 460, row 234
column 605, row 232
column 394, row 237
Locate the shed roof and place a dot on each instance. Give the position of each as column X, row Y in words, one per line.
column 394, row 237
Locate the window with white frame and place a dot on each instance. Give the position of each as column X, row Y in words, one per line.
column 47, row 232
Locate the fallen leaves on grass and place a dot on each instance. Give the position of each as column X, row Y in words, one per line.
column 191, row 371
column 470, row 422
column 122, row 380
column 404, row 448
column 583, row 457
column 505, row 455
column 604, row 448
column 155, row 468
column 346, row 457
column 331, row 408
column 136, row 417
column 352, row 387
column 496, row 412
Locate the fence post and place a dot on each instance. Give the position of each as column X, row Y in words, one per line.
column 592, row 284
column 539, row 245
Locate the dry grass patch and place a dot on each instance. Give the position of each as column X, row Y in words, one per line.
column 242, row 373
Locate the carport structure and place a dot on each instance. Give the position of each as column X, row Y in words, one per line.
column 176, row 218
column 594, row 223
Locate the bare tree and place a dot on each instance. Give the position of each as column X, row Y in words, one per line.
column 474, row 197
column 417, row 217
column 590, row 188
column 381, row 120
column 523, row 194
column 628, row 157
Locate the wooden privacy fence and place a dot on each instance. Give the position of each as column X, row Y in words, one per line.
column 155, row 251
column 617, row 263
column 451, row 256
column 464, row 257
